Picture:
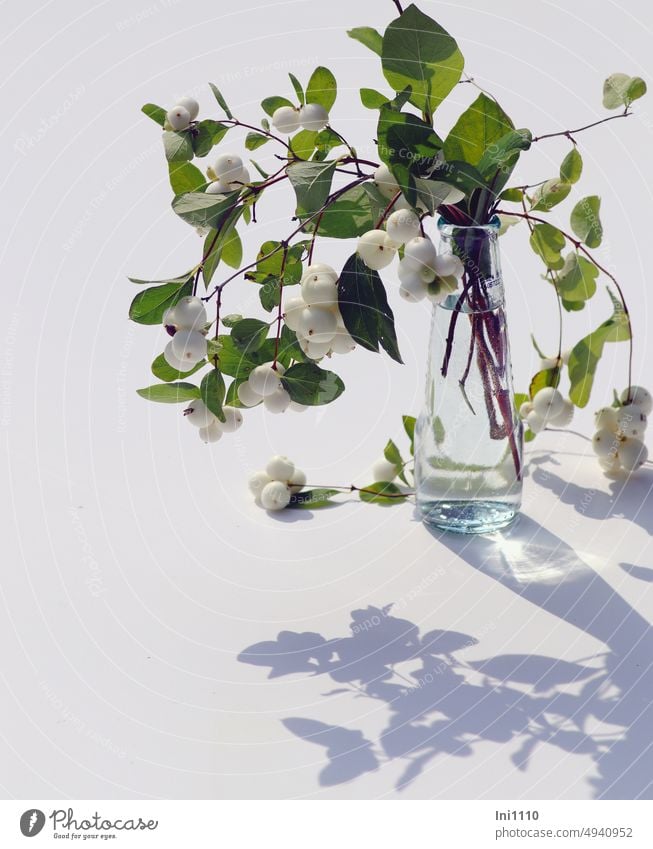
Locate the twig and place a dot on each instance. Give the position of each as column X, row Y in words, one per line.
column 569, row 133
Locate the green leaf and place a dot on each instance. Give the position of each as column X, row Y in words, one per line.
column 545, row 377
column 576, row 281
column 185, row 177
column 382, row 492
column 439, row 432
column 232, row 319
column 547, row 242
column 497, row 163
column 221, row 101
column 572, row 166
column 299, row 91
column 206, row 134
column 409, row 426
column 254, row 140
column 549, row 194
column 636, row 89
column 202, row 210
column 249, row 334
column 289, row 348
column 521, row 398
column 393, row 455
column 232, row 250
column 512, row 195
column 529, row 435
column 585, row 355
column 400, row 133
column 156, row 113
column 369, row 37
column 322, row 88
column 364, row 308
column 170, row 393
column 312, row 499
column 270, row 104
column 149, row 306
column 160, row 368
column 231, row 399
column 302, row 143
column 433, row 193
column 352, row 214
column 372, row 99
column 225, row 245
column 177, row 146
column 417, row 52
column 212, row 391
column 481, row 125
column 325, row 141
column 307, row 383
column 585, row 221
column 234, row 362
column 312, row 184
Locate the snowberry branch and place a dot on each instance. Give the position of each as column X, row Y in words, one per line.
column 570, row 133
column 234, row 122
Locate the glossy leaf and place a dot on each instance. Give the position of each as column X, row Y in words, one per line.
column 212, row 391
column 249, row 334
column 479, row 127
column 170, row 393
column 149, row 306
column 322, row 88
column 308, row 384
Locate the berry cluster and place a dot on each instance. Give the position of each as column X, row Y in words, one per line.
column 264, row 385
column 619, row 438
column 311, row 116
column 315, row 316
column 210, row 427
column 228, row 174
column 182, row 114
column 548, row 407
column 273, row 487
column 187, row 323
column 422, row 272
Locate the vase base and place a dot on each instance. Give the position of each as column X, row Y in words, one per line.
column 467, row 517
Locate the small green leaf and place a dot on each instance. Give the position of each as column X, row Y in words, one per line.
column 270, row 104
column 576, row 281
column 382, row 492
column 322, row 88
column 549, row 194
column 249, row 334
column 572, row 166
column 206, row 134
column 203, row 210
column 254, row 140
column 312, row 499
column 439, row 432
column 164, row 371
column 185, row 177
column 355, row 212
column 545, row 377
column 521, row 398
column 312, row 183
column 365, row 310
column 372, row 99
column 170, row 393
column 299, row 91
column 156, row 113
column 636, row 89
column 481, row 125
column 369, row 37
column 512, row 195
column 308, row 384
column 392, row 454
column 236, row 363
column 232, row 319
column 149, row 306
column 585, row 221
column 221, row 101
column 212, row 390
column 409, row 426
column 177, row 146
column 529, row 435
column 547, row 242
column 232, row 250
column 302, row 143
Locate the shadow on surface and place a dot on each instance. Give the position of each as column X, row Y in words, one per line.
column 447, row 706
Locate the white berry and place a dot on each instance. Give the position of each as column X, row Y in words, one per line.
column 285, row 119
column 535, row 421
column 275, row 495
column 280, row 468
column 376, row 249
column 189, row 314
column 297, row 480
column 233, row 419
column 419, row 255
column 548, row 402
column 277, row 402
column 631, row 421
column 413, row 289
column 228, row 166
column 292, row 309
column 342, row 342
column 385, row 182
column 264, row 380
column 174, row 361
column 317, row 350
column 526, row 409
column 317, row 324
column 384, row 470
column 178, row 118
column 313, row 116
column 298, row 408
column 606, row 418
column 605, row 443
column 191, row 105
column 632, row 454
column 247, row 396
column 189, row 346
column 639, row 396
column 565, row 416
column 257, row 481
column 610, row 464
column 448, row 265
column 402, row 225
column 198, row 414
column 320, row 287
column 211, row 433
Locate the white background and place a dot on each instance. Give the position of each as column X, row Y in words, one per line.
column 136, row 569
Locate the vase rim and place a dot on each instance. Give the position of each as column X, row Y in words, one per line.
column 492, row 226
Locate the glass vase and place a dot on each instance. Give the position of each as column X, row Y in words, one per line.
column 469, row 437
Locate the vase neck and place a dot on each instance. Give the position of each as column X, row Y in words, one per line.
column 482, row 281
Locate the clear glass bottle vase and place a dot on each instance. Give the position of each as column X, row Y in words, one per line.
column 469, row 438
